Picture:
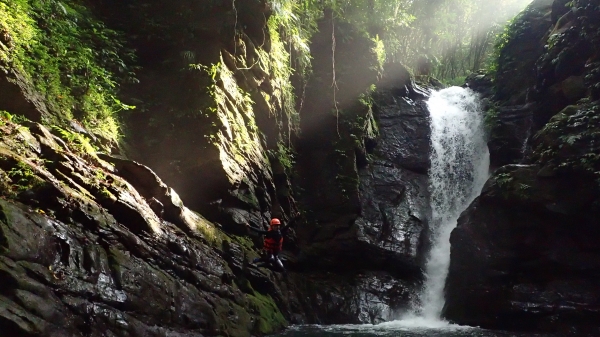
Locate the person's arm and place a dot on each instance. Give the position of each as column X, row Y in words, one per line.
column 257, row 230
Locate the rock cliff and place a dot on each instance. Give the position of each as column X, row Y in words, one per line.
column 523, row 255
column 94, row 244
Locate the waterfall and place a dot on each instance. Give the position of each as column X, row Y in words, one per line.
column 459, row 168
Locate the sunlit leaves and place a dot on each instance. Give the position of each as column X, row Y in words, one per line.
column 74, row 60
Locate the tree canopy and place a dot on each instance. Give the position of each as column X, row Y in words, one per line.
column 448, row 38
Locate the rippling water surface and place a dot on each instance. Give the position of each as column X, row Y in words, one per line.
column 398, row 329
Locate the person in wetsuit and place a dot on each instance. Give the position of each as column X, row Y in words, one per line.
column 273, row 243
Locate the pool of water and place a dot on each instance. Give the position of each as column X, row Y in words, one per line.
column 398, row 329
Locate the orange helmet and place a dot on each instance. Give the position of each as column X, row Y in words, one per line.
column 275, row 222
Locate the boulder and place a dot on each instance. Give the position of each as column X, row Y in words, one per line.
column 523, row 255
column 19, row 97
column 574, row 88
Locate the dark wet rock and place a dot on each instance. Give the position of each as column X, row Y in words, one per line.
column 96, row 244
column 369, row 197
column 226, row 157
column 83, row 252
column 68, row 281
column 19, row 98
column 404, row 130
column 369, row 298
column 574, row 88
column 362, row 175
column 523, row 255
column 510, row 134
column 541, row 70
column 394, row 186
column 480, row 82
column 559, row 9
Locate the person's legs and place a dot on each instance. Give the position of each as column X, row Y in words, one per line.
column 264, row 257
column 269, row 258
column 277, row 262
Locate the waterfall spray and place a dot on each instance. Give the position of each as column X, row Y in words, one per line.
column 459, row 169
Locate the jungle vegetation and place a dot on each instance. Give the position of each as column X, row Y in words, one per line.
column 78, row 63
column 445, row 38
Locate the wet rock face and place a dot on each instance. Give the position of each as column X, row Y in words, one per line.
column 382, row 225
column 207, row 132
column 69, row 280
column 404, row 131
column 19, row 97
column 100, row 246
column 85, row 252
column 510, row 135
column 394, row 186
column 363, row 179
column 368, row 298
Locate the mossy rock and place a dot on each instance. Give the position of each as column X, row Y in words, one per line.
column 234, row 320
column 270, row 319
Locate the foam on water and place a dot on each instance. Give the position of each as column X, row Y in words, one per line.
column 413, row 322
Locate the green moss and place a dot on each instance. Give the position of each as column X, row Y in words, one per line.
column 23, row 177
column 514, row 188
column 457, row 81
column 244, row 241
column 236, row 135
column 270, row 319
column 105, row 193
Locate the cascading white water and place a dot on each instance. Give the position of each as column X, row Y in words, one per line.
column 459, row 169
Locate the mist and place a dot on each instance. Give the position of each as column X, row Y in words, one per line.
column 452, row 38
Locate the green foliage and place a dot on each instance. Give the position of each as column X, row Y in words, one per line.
column 504, row 179
column 72, row 59
column 278, row 62
column 456, row 81
column 5, row 116
column 490, row 120
column 23, row 177
column 511, row 30
column 285, row 156
column 79, row 142
column 295, row 21
column 366, row 99
column 454, row 38
column 570, row 140
column 379, row 50
column 510, row 187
